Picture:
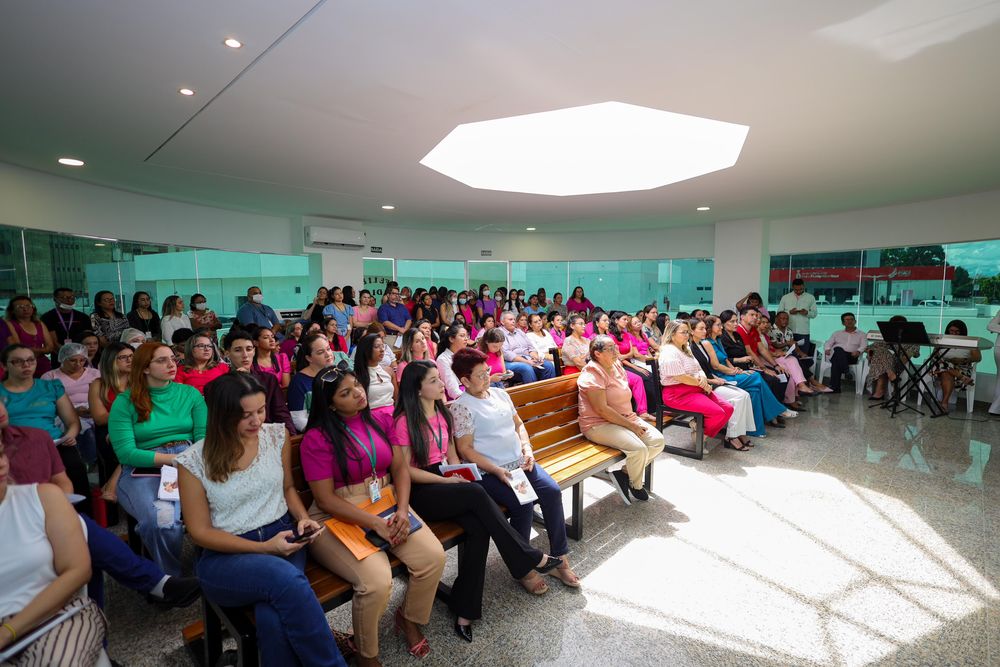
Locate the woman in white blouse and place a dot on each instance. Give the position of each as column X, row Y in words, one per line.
column 379, row 383
column 173, row 318
column 241, row 507
column 489, row 433
column 540, row 337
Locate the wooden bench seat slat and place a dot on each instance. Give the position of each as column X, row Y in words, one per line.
column 530, row 411
column 550, row 437
column 597, row 457
column 565, row 416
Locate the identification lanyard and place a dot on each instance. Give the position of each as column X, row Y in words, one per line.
column 373, row 489
column 438, row 435
column 65, row 326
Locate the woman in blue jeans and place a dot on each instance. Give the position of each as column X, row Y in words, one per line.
column 241, row 507
column 489, row 433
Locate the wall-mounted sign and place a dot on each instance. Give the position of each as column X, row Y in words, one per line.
column 485, row 253
column 376, row 249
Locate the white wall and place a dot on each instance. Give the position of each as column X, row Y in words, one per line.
column 742, row 261
column 42, row 201
column 952, row 220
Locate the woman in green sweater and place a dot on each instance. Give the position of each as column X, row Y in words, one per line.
column 149, row 425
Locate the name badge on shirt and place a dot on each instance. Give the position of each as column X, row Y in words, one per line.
column 374, row 493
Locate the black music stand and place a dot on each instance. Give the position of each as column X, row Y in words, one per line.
column 896, row 335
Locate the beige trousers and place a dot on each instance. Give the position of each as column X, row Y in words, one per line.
column 639, row 452
column 372, row 578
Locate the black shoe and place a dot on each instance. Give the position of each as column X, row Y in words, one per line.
column 619, row 480
column 640, row 494
column 464, row 631
column 179, row 592
column 777, row 423
column 551, row 563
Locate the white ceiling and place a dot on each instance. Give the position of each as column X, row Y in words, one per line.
column 329, row 107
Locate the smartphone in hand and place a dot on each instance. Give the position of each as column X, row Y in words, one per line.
column 303, row 537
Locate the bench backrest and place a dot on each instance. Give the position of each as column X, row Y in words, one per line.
column 549, row 410
column 301, row 485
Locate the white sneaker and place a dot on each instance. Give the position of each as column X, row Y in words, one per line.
column 789, row 414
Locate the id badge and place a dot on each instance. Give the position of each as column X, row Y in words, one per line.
column 374, row 493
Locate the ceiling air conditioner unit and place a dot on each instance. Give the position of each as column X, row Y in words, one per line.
column 327, row 237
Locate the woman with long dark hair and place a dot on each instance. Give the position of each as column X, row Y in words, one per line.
column 348, row 462
column 115, row 369
column 26, row 329
column 455, row 338
column 242, row 508
column 379, row 384
column 269, row 359
column 628, row 356
column 143, row 317
column 106, row 321
column 423, row 433
column 314, row 355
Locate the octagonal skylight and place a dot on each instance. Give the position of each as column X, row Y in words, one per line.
column 606, row 147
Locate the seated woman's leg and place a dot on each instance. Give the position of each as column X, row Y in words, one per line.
column 76, row 642
column 638, row 388
column 639, row 452
column 423, row 556
column 371, row 579
column 550, row 502
column 290, row 620
column 741, row 421
column 159, row 523
column 692, row 399
column 524, row 372
column 76, row 470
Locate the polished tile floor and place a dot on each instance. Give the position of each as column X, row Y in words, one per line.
column 846, row 539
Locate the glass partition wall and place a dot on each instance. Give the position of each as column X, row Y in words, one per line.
column 933, row 284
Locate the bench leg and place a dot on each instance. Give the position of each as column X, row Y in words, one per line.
column 648, row 480
column 213, row 634
column 574, row 529
column 443, row 589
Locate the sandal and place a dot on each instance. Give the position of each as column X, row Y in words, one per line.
column 551, row 562
column 729, row 445
column 345, row 643
column 566, row 576
column 419, row 650
column 534, row 584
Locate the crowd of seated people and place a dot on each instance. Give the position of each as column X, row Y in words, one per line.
column 385, row 393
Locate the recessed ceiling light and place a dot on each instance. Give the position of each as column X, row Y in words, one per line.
column 388, row 207
column 187, row 92
column 529, row 229
column 704, row 208
column 71, row 162
column 233, row 43
column 597, row 148
column 100, row 245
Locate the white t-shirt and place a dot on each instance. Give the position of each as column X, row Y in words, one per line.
column 250, row 498
column 26, row 557
column 543, row 343
column 379, row 387
column 490, row 420
column 171, row 323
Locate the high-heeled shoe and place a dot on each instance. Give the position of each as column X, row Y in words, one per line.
column 551, row 562
column 419, row 650
column 464, row 631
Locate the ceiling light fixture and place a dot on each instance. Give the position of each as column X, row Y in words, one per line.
column 529, row 229
column 100, row 245
column 704, row 208
column 388, row 207
column 186, row 92
column 71, row 162
column 597, row 148
column 233, row 43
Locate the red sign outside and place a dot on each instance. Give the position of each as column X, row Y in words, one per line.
column 854, row 274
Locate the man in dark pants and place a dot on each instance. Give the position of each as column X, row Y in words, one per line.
column 843, row 349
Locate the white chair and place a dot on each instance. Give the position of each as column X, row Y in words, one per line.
column 970, row 393
column 859, row 370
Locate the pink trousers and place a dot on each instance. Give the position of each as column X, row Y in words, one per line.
column 692, row 399
column 638, row 393
column 793, row 370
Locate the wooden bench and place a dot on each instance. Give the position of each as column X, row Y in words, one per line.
column 550, row 413
column 670, row 417
column 204, row 638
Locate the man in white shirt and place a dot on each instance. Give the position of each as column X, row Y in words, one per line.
column 801, row 307
column 843, row 349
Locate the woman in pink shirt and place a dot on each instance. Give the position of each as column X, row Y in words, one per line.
column 578, row 303
column 607, row 418
column 491, row 344
column 557, row 327
column 269, row 359
column 365, row 312
column 423, row 434
column 414, row 348
column 202, row 363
